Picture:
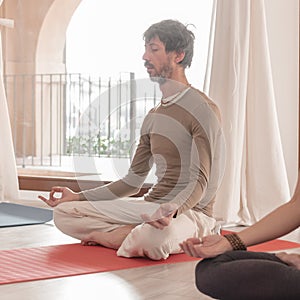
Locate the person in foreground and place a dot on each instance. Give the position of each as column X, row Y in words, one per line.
column 183, row 137
column 230, row 272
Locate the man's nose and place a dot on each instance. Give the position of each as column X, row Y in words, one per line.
column 145, row 56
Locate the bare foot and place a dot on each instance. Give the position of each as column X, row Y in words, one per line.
column 112, row 239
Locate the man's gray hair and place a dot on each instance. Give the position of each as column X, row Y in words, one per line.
column 175, row 36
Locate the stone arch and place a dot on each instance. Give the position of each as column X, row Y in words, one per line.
column 52, row 37
column 50, row 60
column 34, row 46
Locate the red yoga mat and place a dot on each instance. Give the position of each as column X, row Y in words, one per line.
column 28, row 264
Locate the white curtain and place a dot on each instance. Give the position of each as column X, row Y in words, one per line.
column 239, row 80
column 9, row 187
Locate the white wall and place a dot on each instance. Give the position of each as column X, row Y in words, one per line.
column 283, row 30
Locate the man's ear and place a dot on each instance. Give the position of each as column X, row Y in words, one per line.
column 179, row 57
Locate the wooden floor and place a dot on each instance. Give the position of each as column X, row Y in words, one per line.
column 165, row 282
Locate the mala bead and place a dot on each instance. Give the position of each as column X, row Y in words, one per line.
column 235, row 241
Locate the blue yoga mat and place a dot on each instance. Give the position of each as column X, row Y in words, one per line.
column 12, row 214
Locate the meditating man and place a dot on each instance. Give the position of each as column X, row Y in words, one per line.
column 183, row 137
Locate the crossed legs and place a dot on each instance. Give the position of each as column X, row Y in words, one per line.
column 83, row 221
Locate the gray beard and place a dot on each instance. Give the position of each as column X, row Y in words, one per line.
column 159, row 80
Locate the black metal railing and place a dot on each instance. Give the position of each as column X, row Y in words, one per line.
column 58, row 115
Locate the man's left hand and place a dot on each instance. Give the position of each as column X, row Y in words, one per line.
column 162, row 217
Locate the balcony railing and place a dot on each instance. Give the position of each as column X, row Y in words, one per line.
column 61, row 115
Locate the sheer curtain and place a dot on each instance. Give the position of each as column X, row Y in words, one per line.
column 239, row 79
column 9, row 188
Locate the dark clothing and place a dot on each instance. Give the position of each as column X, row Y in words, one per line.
column 245, row 275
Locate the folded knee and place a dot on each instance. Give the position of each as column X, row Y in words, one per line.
column 139, row 250
column 209, row 278
column 59, row 219
column 63, row 216
column 140, row 243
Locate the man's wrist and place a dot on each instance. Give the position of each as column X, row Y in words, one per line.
column 80, row 196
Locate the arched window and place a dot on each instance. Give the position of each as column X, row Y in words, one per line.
column 105, row 38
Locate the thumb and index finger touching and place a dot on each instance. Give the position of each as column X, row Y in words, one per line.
column 55, row 189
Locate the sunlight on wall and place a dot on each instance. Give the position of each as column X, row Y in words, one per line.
column 106, row 38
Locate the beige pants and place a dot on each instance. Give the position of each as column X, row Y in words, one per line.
column 79, row 218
